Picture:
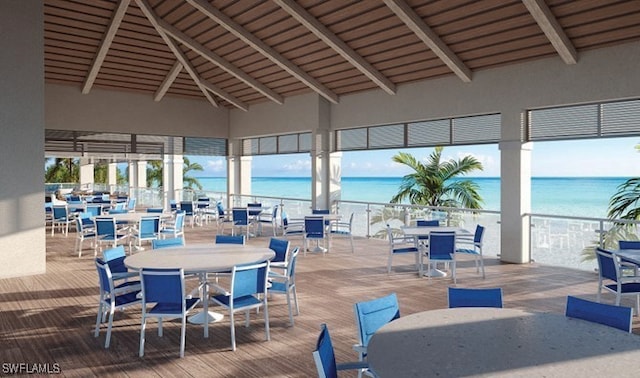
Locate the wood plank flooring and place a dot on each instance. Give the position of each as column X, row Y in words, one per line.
column 49, row 318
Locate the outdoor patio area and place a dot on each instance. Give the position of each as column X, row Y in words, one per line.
column 50, row 318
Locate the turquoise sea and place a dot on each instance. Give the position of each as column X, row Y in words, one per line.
column 574, row 196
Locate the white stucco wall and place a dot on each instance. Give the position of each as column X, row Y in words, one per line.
column 22, row 238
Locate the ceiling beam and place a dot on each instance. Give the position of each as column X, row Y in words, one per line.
column 266, row 50
column 116, row 19
column 552, row 29
column 146, row 9
column 219, row 61
column 168, row 80
column 327, row 36
column 429, row 37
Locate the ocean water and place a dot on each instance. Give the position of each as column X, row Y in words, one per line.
column 574, row 196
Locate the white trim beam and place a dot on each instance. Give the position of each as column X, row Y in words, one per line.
column 168, row 80
column 146, row 9
column 116, row 20
column 266, row 50
column 405, row 13
column 552, row 29
column 219, row 61
column 327, row 36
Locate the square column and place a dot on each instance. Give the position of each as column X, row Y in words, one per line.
column 22, row 230
column 515, row 192
column 112, row 176
column 172, row 175
column 87, row 174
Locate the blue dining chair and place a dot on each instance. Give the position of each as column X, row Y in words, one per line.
column 167, row 243
column 474, row 248
column 474, row 297
column 165, row 290
column 113, row 297
column 286, row 284
column 370, row 316
column 609, row 315
column 230, row 239
column 442, row 248
column 281, row 249
column 325, row 358
column 314, row 228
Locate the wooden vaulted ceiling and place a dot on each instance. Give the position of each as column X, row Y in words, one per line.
column 242, row 52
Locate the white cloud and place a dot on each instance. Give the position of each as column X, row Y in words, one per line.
column 217, row 165
column 298, row 166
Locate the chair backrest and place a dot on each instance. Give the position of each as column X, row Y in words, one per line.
column 291, row 267
column 281, row 248
column 373, row 314
column 60, row 212
column 477, row 236
column 229, row 239
column 442, row 244
column 324, row 355
column 467, row 297
column 203, row 202
column 119, row 206
column 247, row 280
column 105, row 278
column 114, row 257
column 179, row 224
column 607, row 267
column 149, row 225
column 155, row 210
column 428, row 223
column 240, row 216
column 83, row 220
column 314, row 227
column 613, row 316
column 105, row 226
column 163, row 286
column 167, row 243
column 255, row 204
column 94, row 210
column 220, row 209
column 131, row 204
column 187, row 207
column 629, row 244
column 320, row 211
column 173, row 205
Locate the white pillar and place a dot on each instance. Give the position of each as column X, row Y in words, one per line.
column 141, row 174
column 238, row 172
column 325, row 166
column 22, row 234
column 112, row 176
column 515, row 191
column 172, row 179
column 87, row 174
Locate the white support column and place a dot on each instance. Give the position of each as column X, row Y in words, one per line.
column 238, row 171
column 112, row 175
column 515, row 191
column 141, row 168
column 22, row 120
column 87, row 174
column 325, row 166
column 133, row 174
column 172, row 175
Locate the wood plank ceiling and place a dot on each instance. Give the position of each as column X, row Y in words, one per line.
column 238, row 53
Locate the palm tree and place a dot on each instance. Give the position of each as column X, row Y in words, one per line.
column 154, row 173
column 433, row 183
column 189, row 181
column 63, row 170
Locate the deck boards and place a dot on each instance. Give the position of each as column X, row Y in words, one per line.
column 49, row 318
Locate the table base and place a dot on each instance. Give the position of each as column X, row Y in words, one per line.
column 200, row 317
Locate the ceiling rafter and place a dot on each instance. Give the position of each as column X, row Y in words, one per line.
column 219, row 61
column 116, row 20
column 146, row 9
column 168, row 80
column 429, row 37
column 552, row 29
column 266, row 50
column 338, row 45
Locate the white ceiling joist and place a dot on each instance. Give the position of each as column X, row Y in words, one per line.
column 168, row 80
column 338, row 45
column 266, row 50
column 219, row 61
column 552, row 29
column 118, row 15
column 430, row 38
column 146, row 9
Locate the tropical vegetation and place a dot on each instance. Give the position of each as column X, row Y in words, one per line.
column 436, row 183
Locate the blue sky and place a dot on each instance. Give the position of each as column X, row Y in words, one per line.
column 580, row 158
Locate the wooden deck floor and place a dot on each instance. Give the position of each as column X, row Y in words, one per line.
column 49, row 318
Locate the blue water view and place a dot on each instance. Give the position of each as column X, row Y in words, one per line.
column 574, row 196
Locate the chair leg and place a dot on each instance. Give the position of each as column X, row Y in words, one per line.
column 233, row 332
column 183, row 335
column 266, row 321
column 96, row 331
column 295, row 299
column 288, row 294
column 142, row 329
column 108, row 339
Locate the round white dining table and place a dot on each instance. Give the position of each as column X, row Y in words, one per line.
column 200, row 259
column 493, row 342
